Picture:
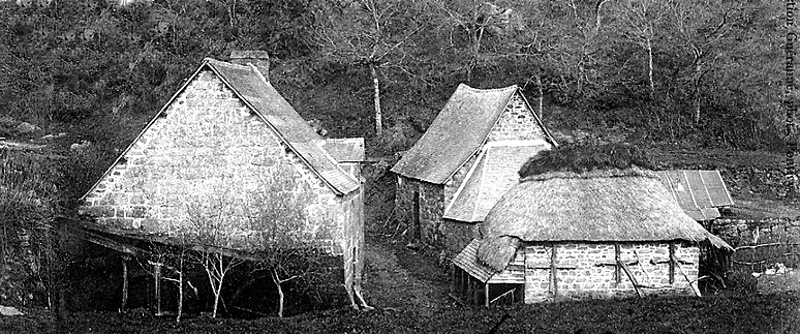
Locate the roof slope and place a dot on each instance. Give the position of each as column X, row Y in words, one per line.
column 457, row 133
column 605, row 205
column 698, row 192
column 495, row 172
column 261, row 97
column 345, row 149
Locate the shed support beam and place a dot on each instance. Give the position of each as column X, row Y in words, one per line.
column 124, row 305
column 157, row 279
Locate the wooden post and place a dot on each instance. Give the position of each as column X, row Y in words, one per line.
column 470, row 295
column 464, row 283
column 124, row 305
column 631, row 277
column 553, row 278
column 486, row 293
column 692, row 284
column 157, row 276
column 453, row 278
column 476, row 291
column 671, row 263
column 617, row 259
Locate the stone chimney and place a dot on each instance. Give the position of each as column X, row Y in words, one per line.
column 258, row 58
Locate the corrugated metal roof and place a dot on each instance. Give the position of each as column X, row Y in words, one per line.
column 467, row 260
column 495, row 172
column 345, row 149
column 698, row 192
column 457, row 133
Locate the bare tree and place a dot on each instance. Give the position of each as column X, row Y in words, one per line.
column 284, row 239
column 640, row 21
column 376, row 35
column 489, row 28
column 701, row 26
column 212, row 230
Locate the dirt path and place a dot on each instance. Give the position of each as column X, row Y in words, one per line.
column 411, row 282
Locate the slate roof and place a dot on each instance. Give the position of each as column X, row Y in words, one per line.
column 458, row 132
column 260, row 96
column 698, row 192
column 493, row 174
column 345, row 149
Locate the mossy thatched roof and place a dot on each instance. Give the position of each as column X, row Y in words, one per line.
column 580, row 158
column 615, row 205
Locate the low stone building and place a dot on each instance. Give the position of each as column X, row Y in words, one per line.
column 565, row 235
column 466, row 160
column 223, row 152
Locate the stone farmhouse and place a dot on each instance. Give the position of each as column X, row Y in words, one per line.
column 227, row 146
column 466, row 160
column 597, row 234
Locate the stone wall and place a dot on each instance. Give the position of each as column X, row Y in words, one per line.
column 760, row 243
column 516, row 123
column 209, row 162
column 579, row 276
column 431, row 208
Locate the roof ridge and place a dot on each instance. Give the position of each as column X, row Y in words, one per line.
column 487, row 90
column 633, row 171
column 226, row 63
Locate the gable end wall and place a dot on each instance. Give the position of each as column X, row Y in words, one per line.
column 516, row 123
column 208, row 152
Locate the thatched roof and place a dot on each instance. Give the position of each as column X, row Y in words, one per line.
column 252, row 88
column 458, row 132
column 629, row 205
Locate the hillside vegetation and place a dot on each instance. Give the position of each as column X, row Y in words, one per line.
column 670, row 76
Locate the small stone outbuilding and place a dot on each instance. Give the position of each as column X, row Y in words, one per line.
column 597, row 234
column 466, row 160
column 228, row 146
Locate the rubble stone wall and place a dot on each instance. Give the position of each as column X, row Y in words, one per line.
column 579, row 276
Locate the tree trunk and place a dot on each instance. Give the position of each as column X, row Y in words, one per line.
column 217, row 293
column 277, row 282
column 157, row 280
column 698, row 74
column 541, row 94
column 650, row 67
column 376, row 86
column 180, row 292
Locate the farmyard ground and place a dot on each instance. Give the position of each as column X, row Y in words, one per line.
column 410, row 296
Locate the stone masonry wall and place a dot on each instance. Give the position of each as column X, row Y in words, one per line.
column 761, row 242
column 516, row 123
column 209, row 158
column 431, row 208
column 587, row 280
